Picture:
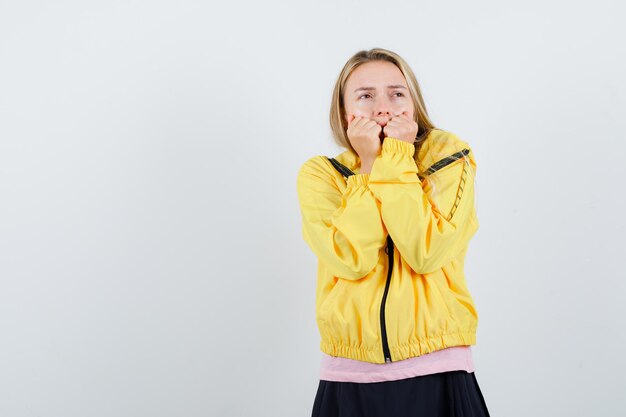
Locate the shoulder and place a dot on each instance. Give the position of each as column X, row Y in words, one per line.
column 440, row 144
column 321, row 163
column 315, row 164
column 317, row 172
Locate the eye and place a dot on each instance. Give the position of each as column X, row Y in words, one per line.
column 401, row 95
column 364, row 95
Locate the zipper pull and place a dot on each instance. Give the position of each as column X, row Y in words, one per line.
column 388, row 244
column 387, row 360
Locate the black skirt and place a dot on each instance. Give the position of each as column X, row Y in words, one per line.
column 444, row 394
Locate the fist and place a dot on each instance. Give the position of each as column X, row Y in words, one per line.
column 401, row 127
column 363, row 134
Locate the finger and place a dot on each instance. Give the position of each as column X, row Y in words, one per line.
column 359, row 121
column 367, row 124
column 370, row 122
column 396, row 122
column 403, row 122
column 354, row 123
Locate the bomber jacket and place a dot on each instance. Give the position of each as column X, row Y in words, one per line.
column 391, row 247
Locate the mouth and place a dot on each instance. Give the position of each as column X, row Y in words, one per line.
column 381, row 135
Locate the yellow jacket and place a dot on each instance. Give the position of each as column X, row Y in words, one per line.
column 391, row 247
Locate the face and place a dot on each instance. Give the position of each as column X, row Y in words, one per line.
column 377, row 90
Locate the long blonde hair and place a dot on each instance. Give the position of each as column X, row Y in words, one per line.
column 338, row 123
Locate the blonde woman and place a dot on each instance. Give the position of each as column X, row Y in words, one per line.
column 390, row 220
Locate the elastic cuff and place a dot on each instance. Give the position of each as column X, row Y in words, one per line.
column 391, row 144
column 358, row 179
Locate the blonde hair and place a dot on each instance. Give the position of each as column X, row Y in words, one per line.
column 338, row 124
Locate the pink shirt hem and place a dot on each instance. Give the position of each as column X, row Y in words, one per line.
column 349, row 370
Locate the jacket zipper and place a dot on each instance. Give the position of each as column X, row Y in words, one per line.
column 389, row 252
column 345, row 171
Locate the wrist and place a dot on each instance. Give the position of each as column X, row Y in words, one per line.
column 366, row 166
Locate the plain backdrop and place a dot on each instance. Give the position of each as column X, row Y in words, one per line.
column 151, row 256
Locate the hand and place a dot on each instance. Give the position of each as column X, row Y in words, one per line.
column 401, row 127
column 363, row 134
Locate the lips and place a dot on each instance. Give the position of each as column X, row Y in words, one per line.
column 381, row 135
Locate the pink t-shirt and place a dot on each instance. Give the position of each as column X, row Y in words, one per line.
column 349, row 370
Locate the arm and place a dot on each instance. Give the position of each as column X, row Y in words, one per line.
column 430, row 221
column 344, row 229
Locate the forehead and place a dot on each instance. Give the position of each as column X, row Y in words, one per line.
column 374, row 74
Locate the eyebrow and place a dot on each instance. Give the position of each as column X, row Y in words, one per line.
column 374, row 88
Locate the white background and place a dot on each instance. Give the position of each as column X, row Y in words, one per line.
column 151, row 257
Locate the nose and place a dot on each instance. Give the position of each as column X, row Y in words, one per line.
column 383, row 112
column 382, row 116
column 383, row 108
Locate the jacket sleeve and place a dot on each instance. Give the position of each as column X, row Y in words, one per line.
column 429, row 220
column 343, row 228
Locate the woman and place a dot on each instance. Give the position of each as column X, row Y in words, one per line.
column 390, row 220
